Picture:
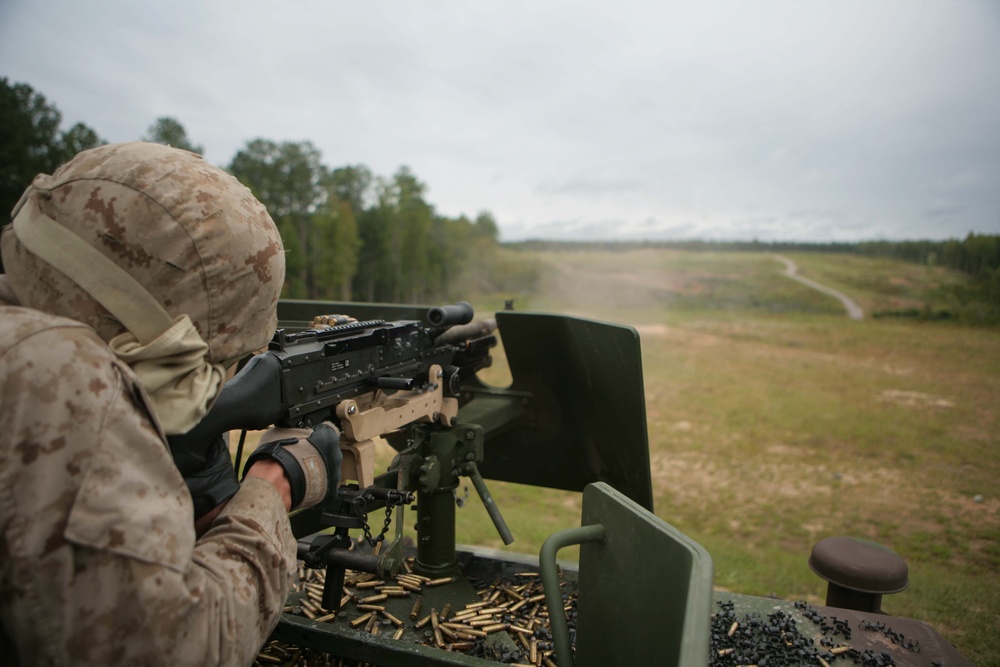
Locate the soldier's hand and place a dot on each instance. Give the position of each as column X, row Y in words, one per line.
column 310, row 460
column 215, row 483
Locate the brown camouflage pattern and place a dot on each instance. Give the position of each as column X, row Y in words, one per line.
column 99, row 564
column 192, row 234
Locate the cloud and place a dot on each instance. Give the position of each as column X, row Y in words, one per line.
column 726, row 120
column 944, row 211
column 592, row 186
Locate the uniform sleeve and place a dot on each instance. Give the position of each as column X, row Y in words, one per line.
column 100, row 564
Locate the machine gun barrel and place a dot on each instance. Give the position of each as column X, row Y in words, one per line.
column 446, row 316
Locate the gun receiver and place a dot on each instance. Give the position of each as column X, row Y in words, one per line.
column 303, row 376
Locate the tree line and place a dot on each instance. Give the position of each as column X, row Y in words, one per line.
column 352, row 235
column 349, row 234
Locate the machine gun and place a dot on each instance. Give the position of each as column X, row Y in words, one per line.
column 370, row 378
column 303, row 378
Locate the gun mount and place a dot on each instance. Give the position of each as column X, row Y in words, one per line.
column 573, row 418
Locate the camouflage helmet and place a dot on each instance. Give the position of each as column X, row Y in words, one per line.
column 187, row 231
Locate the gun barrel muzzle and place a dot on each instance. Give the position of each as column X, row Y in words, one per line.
column 446, row 316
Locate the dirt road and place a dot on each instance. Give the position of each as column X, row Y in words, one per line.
column 791, row 270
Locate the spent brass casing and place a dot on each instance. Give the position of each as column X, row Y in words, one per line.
column 360, row 620
column 497, row 627
column 440, row 582
column 476, row 605
column 518, row 605
column 397, row 593
column 492, row 610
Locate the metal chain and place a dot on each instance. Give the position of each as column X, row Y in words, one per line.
column 390, row 502
column 385, row 528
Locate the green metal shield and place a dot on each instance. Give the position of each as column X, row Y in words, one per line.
column 645, row 588
column 585, row 410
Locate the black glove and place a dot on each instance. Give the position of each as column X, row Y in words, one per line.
column 215, row 482
column 311, row 461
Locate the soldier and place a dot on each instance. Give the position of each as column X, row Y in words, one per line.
column 137, row 274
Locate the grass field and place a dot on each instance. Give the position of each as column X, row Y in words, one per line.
column 775, row 421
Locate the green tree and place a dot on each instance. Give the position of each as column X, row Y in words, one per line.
column 415, row 224
column 396, row 242
column 449, row 254
column 379, row 275
column 31, row 142
column 79, row 138
column 353, row 185
column 169, row 131
column 486, row 227
column 333, row 250
column 288, row 179
column 465, row 260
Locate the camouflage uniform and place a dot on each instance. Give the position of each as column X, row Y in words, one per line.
column 99, row 563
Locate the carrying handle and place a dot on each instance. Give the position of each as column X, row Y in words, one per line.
column 550, row 581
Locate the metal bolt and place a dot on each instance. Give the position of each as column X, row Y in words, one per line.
column 470, row 435
column 351, row 410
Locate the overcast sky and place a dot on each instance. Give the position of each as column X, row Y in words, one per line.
column 799, row 120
